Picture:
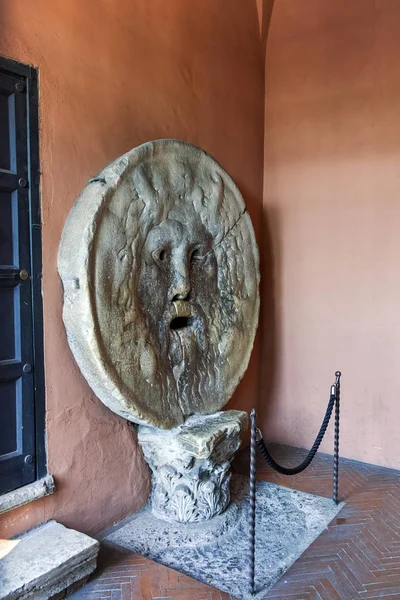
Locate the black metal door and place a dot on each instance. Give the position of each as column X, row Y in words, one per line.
column 17, row 414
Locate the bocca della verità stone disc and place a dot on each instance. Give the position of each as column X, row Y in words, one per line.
column 160, row 271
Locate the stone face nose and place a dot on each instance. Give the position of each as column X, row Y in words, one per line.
column 181, row 286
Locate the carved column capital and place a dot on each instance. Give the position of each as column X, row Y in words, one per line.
column 191, row 465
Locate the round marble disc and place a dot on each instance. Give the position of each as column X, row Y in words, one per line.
column 160, row 272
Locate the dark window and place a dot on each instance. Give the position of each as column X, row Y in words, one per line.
column 22, row 450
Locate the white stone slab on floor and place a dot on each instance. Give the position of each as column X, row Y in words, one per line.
column 45, row 561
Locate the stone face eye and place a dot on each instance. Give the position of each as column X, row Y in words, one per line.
column 196, row 255
column 160, row 255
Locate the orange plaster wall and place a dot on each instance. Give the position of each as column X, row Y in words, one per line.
column 112, row 76
column 332, row 216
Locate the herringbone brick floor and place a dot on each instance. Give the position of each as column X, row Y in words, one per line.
column 356, row 558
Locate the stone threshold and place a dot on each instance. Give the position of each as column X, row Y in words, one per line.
column 27, row 493
column 46, row 562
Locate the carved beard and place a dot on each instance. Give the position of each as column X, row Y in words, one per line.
column 187, row 355
column 189, row 359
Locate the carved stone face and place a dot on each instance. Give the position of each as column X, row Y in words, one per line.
column 178, row 276
column 160, row 273
column 178, row 284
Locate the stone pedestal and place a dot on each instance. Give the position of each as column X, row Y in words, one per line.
column 191, row 465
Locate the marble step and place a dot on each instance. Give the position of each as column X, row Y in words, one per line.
column 45, row 562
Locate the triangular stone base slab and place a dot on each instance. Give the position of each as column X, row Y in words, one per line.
column 216, row 551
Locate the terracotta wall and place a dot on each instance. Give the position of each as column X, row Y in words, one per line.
column 332, row 210
column 114, row 75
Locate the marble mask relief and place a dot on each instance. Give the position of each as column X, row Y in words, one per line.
column 160, row 273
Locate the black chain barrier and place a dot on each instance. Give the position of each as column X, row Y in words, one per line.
column 257, row 439
column 334, row 397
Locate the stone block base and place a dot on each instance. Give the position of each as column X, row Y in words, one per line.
column 216, row 552
column 191, row 465
column 46, row 562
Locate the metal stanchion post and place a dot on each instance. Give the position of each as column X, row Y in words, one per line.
column 336, row 441
column 252, row 499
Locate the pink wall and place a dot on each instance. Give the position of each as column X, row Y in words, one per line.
column 332, row 207
column 115, row 75
column 112, row 76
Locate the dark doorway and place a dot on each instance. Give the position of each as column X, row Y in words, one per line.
column 22, row 448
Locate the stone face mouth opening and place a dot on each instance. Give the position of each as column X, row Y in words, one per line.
column 180, row 323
